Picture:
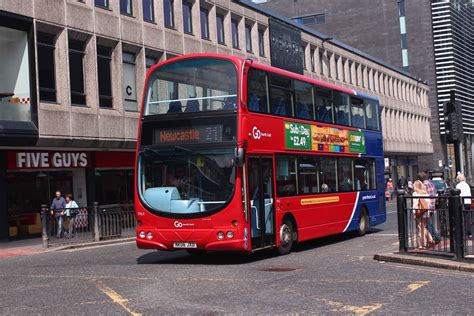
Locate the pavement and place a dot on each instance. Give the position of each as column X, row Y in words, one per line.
column 333, row 275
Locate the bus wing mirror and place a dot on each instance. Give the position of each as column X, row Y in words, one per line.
column 239, row 157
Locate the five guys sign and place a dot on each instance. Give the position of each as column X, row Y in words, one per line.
column 48, row 159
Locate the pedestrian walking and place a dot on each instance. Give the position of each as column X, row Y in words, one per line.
column 390, row 188
column 70, row 212
column 466, row 195
column 432, row 222
column 420, row 211
column 57, row 209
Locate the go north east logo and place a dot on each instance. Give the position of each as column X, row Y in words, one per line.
column 257, row 134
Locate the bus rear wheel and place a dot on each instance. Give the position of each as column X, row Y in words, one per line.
column 363, row 222
column 286, row 237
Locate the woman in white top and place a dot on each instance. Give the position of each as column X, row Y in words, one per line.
column 420, row 211
column 70, row 212
column 466, row 195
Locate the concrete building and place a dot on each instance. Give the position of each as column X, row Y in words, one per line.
column 431, row 39
column 71, row 81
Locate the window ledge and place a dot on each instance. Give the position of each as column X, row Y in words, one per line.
column 131, row 16
column 150, row 21
column 103, row 8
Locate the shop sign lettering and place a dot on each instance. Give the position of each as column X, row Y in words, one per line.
column 32, row 160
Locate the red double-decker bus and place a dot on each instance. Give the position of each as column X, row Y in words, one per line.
column 233, row 155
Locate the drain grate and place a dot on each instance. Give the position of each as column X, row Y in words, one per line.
column 277, row 269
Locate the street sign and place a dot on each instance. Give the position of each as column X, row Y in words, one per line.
column 440, row 163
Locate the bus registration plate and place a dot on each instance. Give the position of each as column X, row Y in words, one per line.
column 184, row 244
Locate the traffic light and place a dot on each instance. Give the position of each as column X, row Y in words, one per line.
column 453, row 121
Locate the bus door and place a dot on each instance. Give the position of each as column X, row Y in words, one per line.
column 262, row 201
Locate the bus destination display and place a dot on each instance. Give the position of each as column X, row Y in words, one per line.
column 199, row 134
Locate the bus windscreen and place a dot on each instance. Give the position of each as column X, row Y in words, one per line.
column 192, row 85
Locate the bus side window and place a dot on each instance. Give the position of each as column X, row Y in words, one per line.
column 280, row 101
column 372, row 117
column 357, row 113
column 308, row 175
column 341, row 108
column 361, row 174
column 257, row 97
column 371, row 174
column 344, row 174
column 286, row 176
column 327, row 174
column 304, row 103
column 323, row 105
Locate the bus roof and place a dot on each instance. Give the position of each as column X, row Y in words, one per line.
column 282, row 72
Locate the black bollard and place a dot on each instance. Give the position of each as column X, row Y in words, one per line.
column 402, row 223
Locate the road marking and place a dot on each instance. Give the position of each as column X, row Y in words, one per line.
column 415, row 286
column 391, row 212
column 357, row 310
column 115, row 297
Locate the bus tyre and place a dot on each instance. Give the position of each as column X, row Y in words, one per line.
column 363, row 222
column 286, row 237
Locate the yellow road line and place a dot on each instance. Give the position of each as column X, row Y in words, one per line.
column 415, row 286
column 116, row 298
column 357, row 310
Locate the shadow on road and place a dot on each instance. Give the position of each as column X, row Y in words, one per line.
column 223, row 258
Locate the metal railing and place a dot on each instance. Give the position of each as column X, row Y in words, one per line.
column 87, row 224
column 438, row 229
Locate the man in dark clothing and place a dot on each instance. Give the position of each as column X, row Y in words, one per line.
column 57, row 209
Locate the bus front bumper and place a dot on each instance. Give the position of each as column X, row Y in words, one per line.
column 204, row 240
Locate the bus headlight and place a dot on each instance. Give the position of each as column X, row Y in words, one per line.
column 220, row 235
column 230, row 235
column 149, row 236
column 142, row 234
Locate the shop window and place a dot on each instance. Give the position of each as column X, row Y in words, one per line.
column 27, row 191
column 341, row 108
column 46, row 66
column 235, row 33
column 129, row 82
column 187, row 17
column 286, row 176
column 323, row 105
column 261, row 42
column 304, row 104
column 308, row 175
column 168, row 8
column 114, row 186
column 344, row 174
column 204, row 17
column 15, row 103
column 220, row 28
column 126, row 7
column 248, row 38
column 76, row 71
column 327, row 174
column 104, row 58
column 148, row 10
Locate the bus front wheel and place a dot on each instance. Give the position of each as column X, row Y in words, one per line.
column 363, row 222
column 286, row 237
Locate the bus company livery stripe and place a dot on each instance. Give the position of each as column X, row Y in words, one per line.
column 356, row 203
